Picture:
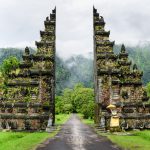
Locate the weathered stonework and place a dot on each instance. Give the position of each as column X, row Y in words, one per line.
column 117, row 82
column 28, row 103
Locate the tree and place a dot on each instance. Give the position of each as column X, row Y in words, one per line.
column 58, row 104
column 76, row 100
column 63, row 103
column 83, row 101
column 9, row 64
column 88, row 110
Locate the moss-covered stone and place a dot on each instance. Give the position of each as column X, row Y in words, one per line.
column 120, row 82
column 25, row 104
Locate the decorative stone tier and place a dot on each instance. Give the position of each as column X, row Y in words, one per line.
column 44, row 43
column 124, row 63
column 116, row 82
column 53, row 16
column 47, row 23
column 132, row 121
column 105, row 43
column 133, row 73
column 122, row 55
column 132, row 104
column 122, row 83
column 131, row 83
column 48, row 33
column 108, row 71
column 102, row 33
column 133, row 116
column 96, row 14
column 23, row 116
column 99, row 23
column 25, row 65
column 38, row 57
column 107, row 55
column 23, row 104
column 32, row 73
column 19, row 83
column 49, row 72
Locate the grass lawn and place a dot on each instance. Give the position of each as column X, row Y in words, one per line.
column 61, row 118
column 86, row 121
column 138, row 140
column 28, row 141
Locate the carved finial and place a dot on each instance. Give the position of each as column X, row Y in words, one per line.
column 54, row 10
column 47, row 18
column 101, row 19
column 135, row 67
column 27, row 51
column 94, row 10
column 123, row 49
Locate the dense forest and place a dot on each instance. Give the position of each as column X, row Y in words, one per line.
column 79, row 69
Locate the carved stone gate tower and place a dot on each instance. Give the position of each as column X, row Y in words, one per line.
column 29, row 100
column 117, row 82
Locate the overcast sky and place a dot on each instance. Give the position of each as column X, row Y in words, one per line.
column 21, row 21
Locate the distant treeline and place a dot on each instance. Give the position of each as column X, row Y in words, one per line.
column 79, row 69
column 7, row 52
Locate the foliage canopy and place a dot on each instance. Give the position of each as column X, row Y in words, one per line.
column 9, row 64
column 77, row 100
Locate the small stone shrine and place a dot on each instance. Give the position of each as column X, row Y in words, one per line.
column 28, row 101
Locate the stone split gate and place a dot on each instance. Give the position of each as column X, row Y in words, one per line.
column 29, row 101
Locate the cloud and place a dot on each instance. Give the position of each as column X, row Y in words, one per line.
column 127, row 20
column 21, row 21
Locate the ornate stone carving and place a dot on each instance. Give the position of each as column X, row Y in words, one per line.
column 30, row 88
column 120, row 82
